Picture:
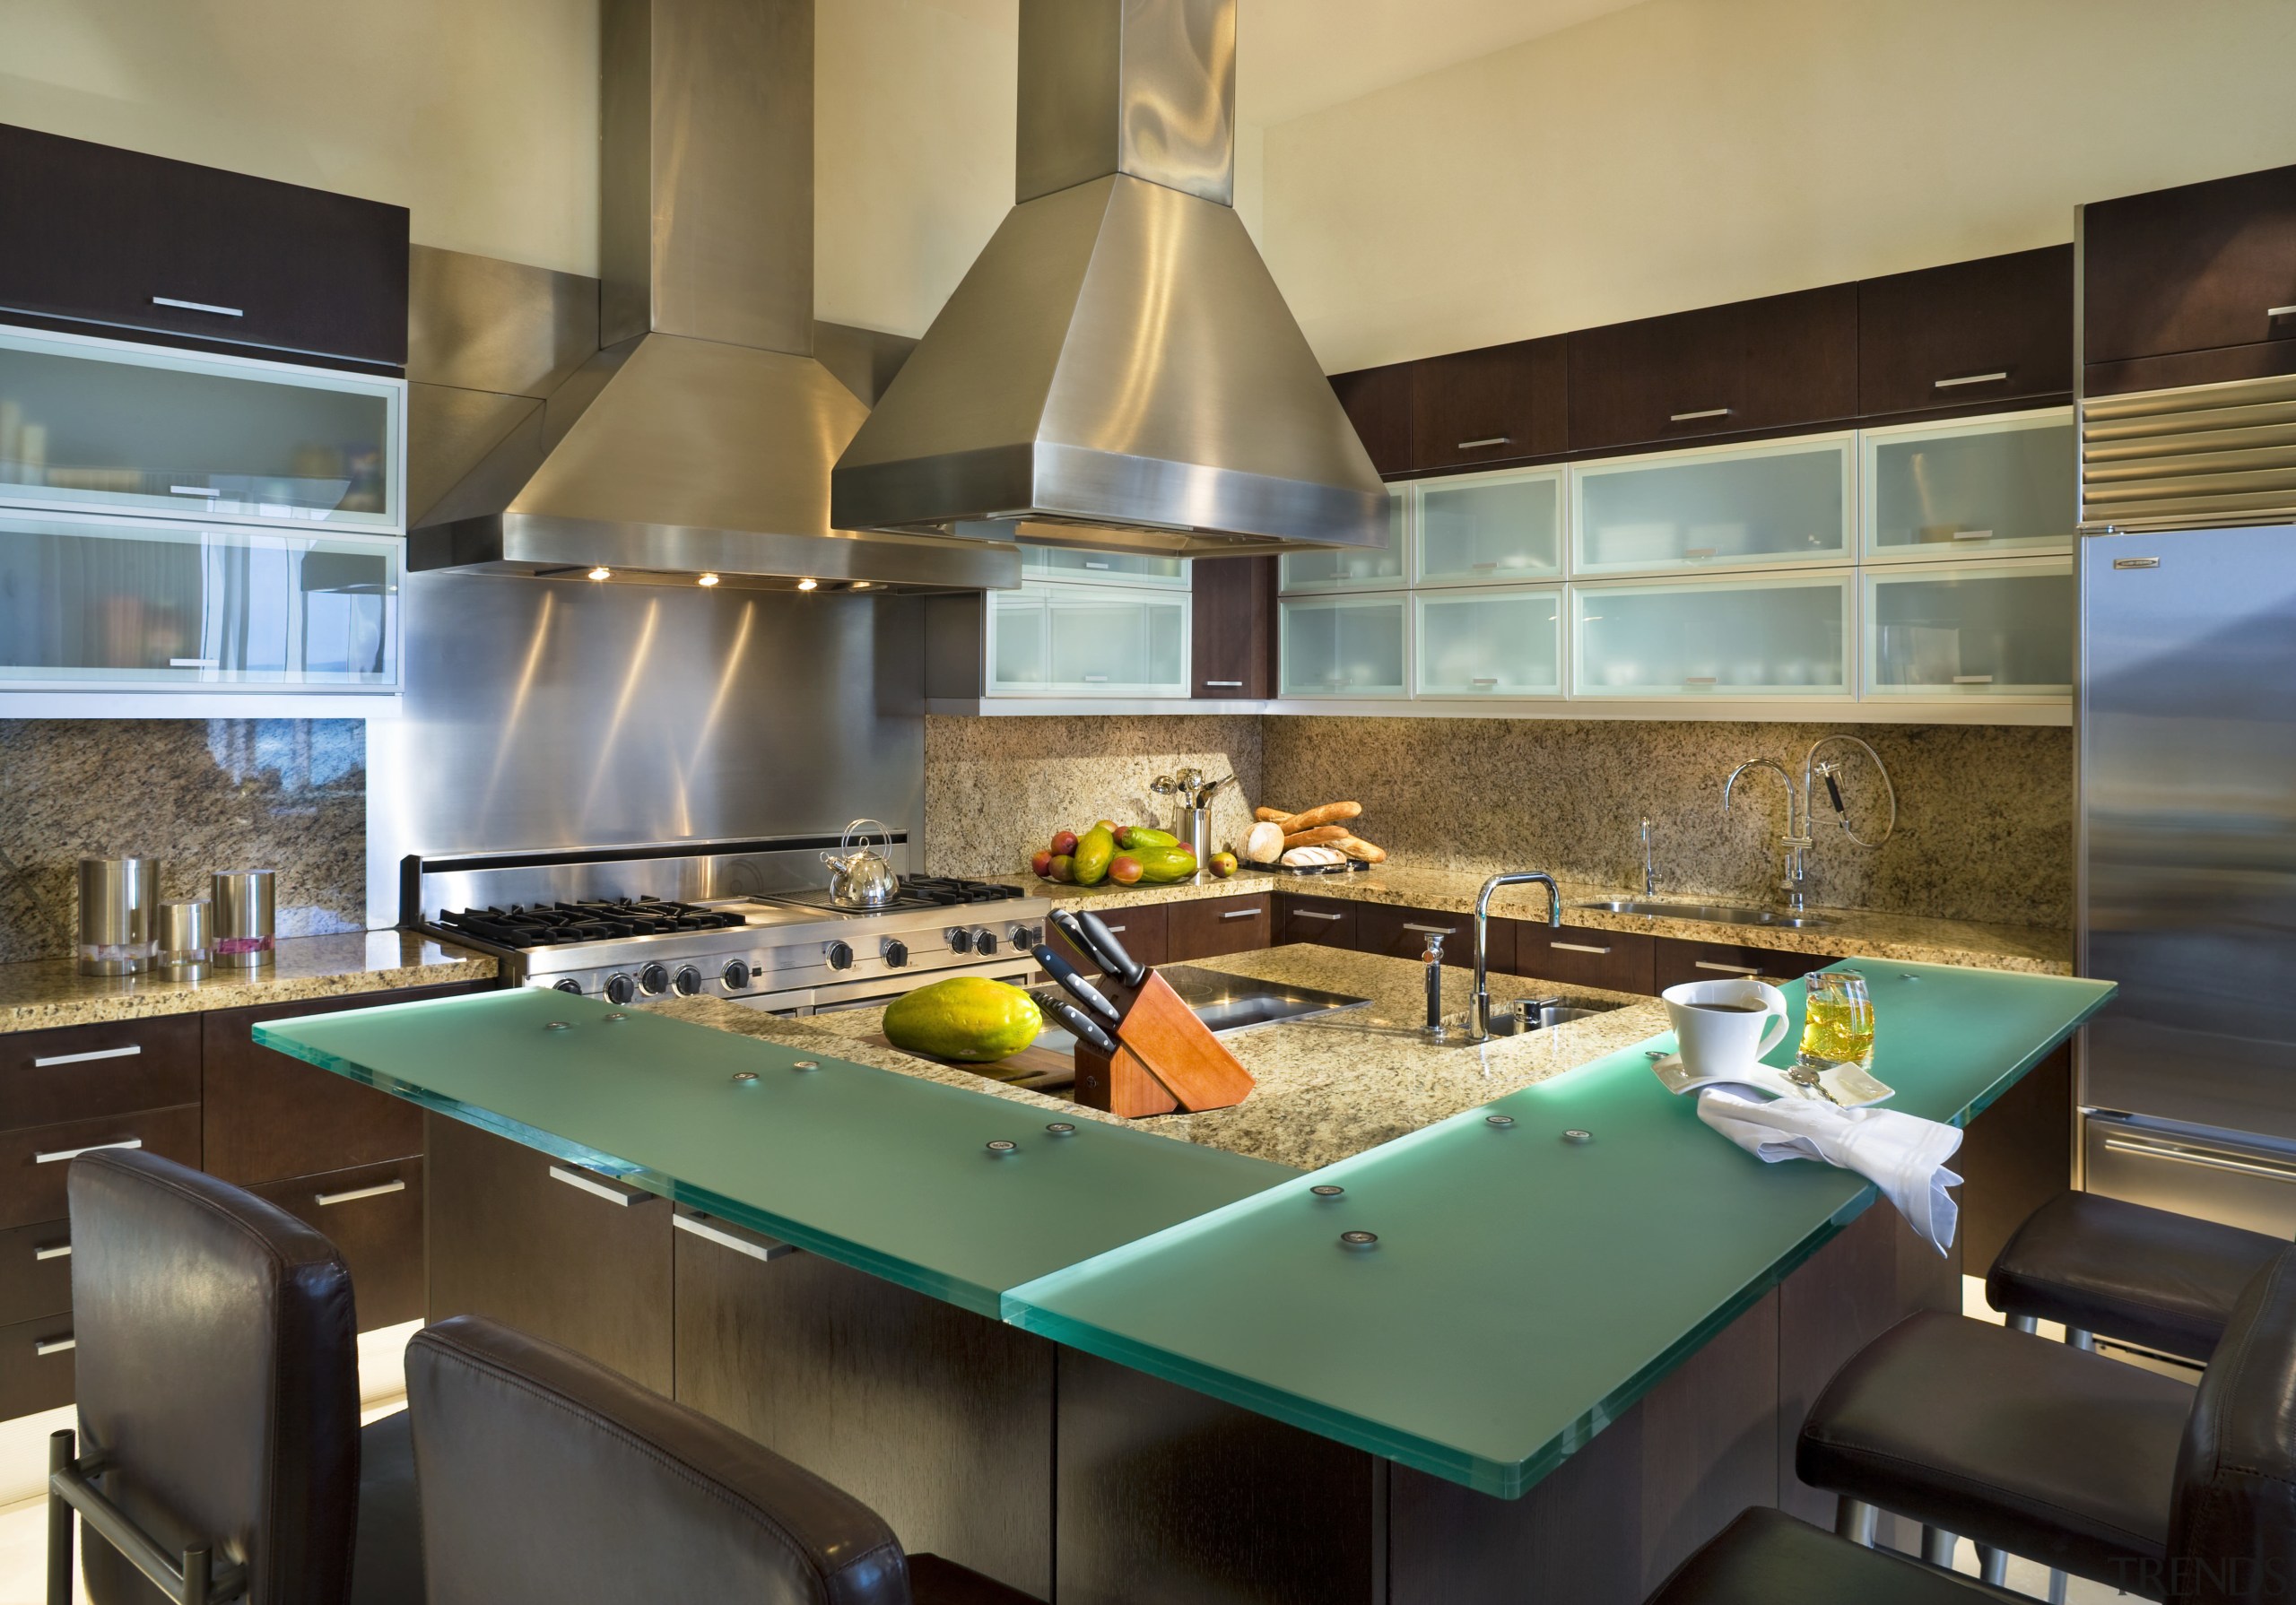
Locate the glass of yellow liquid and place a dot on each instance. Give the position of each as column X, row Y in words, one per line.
column 1838, row 1022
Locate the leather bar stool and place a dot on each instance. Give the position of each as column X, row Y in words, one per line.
column 544, row 1477
column 218, row 1383
column 2226, row 1504
column 2108, row 1268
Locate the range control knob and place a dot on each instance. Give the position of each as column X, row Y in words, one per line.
column 735, row 975
column 688, row 981
column 960, row 940
column 1025, row 937
column 570, row 985
column 984, row 941
column 621, row 989
column 654, row 980
column 895, row 951
column 840, row 956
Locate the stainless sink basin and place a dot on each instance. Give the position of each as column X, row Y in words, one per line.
column 1719, row 913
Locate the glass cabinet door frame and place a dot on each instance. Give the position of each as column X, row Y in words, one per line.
column 1052, row 596
column 1841, row 580
column 1083, row 574
column 1843, row 443
column 391, row 391
column 1406, row 526
column 1416, row 568
column 1870, row 688
column 1870, row 443
column 1400, row 600
column 1418, row 636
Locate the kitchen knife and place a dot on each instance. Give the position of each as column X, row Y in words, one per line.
column 1108, row 953
column 1073, row 1021
column 1074, row 984
column 1067, row 924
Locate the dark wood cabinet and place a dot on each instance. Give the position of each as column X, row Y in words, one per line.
column 82, row 1073
column 549, row 1248
column 1211, row 926
column 1402, row 932
column 1502, row 403
column 33, row 1161
column 1233, row 633
column 374, row 1214
column 1994, row 333
column 1141, row 929
column 35, row 1270
column 118, row 242
column 1612, row 961
column 1781, row 363
column 1328, row 922
column 35, row 1365
column 1378, row 402
column 2191, row 285
column 1675, row 961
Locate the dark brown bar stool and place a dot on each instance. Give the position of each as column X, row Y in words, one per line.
column 546, row 1478
column 2108, row 1268
column 2221, row 1530
column 220, row 1453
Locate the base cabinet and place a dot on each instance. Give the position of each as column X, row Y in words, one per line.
column 1212, row 927
column 1141, row 929
column 374, row 1214
column 1612, row 961
column 1675, row 962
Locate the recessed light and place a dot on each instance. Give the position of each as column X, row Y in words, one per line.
column 601, row 574
column 808, row 585
column 860, row 585
column 708, row 579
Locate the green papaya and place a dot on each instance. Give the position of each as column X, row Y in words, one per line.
column 1094, row 848
column 1144, row 835
column 1164, row 865
column 968, row 1018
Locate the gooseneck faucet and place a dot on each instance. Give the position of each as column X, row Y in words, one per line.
column 1798, row 842
column 1479, row 1008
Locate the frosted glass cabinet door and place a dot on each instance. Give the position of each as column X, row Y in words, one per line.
column 1345, row 646
column 1766, row 637
column 99, row 424
column 1747, row 507
column 127, row 603
column 1491, row 643
column 1356, row 569
column 1490, row 528
column 1090, row 641
column 1103, row 567
column 1971, row 487
column 1970, row 630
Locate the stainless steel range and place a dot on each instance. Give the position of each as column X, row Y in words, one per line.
column 745, row 921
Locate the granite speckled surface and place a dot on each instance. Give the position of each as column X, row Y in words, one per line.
column 200, row 795
column 47, row 992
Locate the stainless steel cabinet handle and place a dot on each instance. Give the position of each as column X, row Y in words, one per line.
column 1699, row 679
column 62, row 1154
column 45, row 1346
column 51, row 1251
column 1096, row 680
column 194, row 663
column 1576, row 947
column 709, row 1231
column 191, row 490
column 1972, row 535
column 1698, row 554
column 598, row 1189
column 1692, row 417
column 1985, row 379
column 1115, row 930
column 1090, row 564
column 169, row 300
column 354, row 1194
column 1226, row 684
column 1485, row 680
column 2201, row 1156
column 1727, row 969
column 1434, row 930
column 1242, row 914
column 2280, row 311
column 101, row 1052
column 1314, row 914
column 1486, row 440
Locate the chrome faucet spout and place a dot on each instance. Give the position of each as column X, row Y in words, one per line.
column 1798, row 842
column 1479, row 1006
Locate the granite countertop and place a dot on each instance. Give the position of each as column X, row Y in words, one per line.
column 1328, row 1087
column 49, row 992
column 1854, row 933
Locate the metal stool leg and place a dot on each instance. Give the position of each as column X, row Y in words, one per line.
column 2055, row 1588
column 2025, row 1322
column 1937, row 1547
column 1854, row 1520
column 61, row 1445
column 2078, row 1339
column 1993, row 1567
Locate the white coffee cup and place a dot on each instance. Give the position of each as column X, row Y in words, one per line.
column 1740, row 1021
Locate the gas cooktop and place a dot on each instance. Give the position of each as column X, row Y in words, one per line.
column 917, row 891
column 550, row 925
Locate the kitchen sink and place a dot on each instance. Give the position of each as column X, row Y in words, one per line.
column 1723, row 913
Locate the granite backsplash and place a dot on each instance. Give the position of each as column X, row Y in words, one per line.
column 200, row 795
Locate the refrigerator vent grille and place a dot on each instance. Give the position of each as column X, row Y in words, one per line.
column 2190, row 458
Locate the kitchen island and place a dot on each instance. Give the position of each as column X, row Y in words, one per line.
column 1196, row 1390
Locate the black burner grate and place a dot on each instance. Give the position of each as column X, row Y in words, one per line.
column 554, row 925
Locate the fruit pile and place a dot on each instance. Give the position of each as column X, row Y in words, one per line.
column 1312, row 838
column 1126, row 855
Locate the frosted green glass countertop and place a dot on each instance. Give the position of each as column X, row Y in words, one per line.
column 1524, row 1288
column 878, row 1170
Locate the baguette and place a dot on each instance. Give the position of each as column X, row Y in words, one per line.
column 1316, row 836
column 1303, row 857
column 1356, row 847
column 1273, row 816
column 1330, row 814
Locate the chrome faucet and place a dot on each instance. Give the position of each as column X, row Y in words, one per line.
column 1797, row 843
column 1479, row 1008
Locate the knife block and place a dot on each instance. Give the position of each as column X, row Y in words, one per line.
column 1165, row 1059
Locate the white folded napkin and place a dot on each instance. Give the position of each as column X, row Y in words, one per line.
column 1903, row 1155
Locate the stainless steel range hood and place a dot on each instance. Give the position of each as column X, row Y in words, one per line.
column 699, row 440
column 1118, row 369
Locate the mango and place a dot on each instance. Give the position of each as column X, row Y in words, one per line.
column 967, row 1018
column 1094, row 849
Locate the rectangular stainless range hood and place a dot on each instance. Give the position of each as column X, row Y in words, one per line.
column 1117, row 370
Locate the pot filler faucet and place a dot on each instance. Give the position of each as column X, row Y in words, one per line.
column 1479, row 1010
column 1797, row 843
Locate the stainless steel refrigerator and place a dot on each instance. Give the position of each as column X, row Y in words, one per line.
column 2187, row 735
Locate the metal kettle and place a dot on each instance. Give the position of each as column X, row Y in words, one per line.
column 859, row 877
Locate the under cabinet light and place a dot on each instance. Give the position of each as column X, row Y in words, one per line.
column 707, row 579
column 808, row 585
column 601, row 573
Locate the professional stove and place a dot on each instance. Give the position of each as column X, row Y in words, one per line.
column 746, row 921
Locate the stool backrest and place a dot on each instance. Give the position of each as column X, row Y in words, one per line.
column 216, row 1359
column 544, row 1477
column 2233, row 1530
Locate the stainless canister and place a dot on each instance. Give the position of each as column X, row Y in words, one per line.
column 245, row 915
column 1194, row 827
column 186, row 941
column 116, row 900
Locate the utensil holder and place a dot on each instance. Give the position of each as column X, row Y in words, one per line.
column 245, row 916
column 116, row 900
column 1194, row 827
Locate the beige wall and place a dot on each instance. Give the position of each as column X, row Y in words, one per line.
column 1683, row 153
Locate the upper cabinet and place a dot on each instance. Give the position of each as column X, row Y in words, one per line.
column 2193, row 285
column 1994, row 332
column 1378, row 402
column 1937, row 491
column 113, row 240
column 1233, row 628
column 1503, row 403
column 1784, row 504
column 1481, row 529
column 1355, row 568
column 1771, row 364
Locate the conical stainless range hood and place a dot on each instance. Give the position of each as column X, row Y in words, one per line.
column 699, row 438
column 1118, row 369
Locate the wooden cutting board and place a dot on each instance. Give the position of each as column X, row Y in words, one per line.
column 1029, row 1064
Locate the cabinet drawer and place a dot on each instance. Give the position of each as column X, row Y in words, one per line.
column 2204, row 267
column 1215, row 926
column 1992, row 331
column 1328, row 922
column 1768, row 364
column 1140, row 928
column 1499, row 405
column 1613, row 960
column 82, row 1073
column 1378, row 402
column 31, row 1187
column 374, row 1215
column 1675, row 961
column 35, row 1270
column 1402, row 932
column 35, row 1365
